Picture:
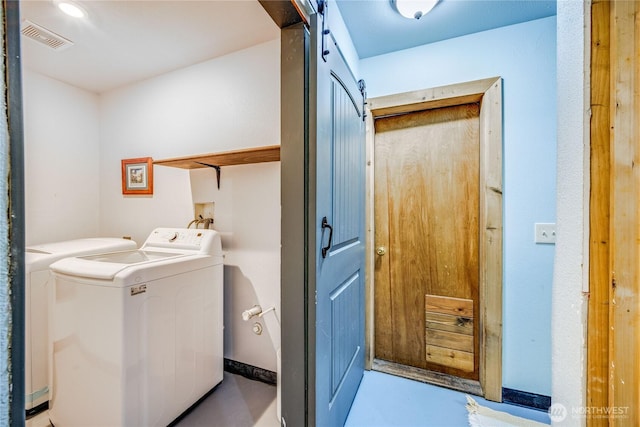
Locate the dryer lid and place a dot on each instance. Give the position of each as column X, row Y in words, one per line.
column 107, row 266
column 39, row 257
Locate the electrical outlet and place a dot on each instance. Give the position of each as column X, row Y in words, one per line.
column 545, row 233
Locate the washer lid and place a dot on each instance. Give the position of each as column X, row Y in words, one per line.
column 106, row 266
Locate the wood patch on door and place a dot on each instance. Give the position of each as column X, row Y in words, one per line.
column 449, row 332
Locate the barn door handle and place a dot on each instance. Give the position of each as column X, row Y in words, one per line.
column 325, row 224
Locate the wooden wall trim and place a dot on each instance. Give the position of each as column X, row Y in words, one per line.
column 437, row 97
column 613, row 373
column 625, row 212
column 283, row 12
column 599, row 280
column 370, row 236
column 491, row 241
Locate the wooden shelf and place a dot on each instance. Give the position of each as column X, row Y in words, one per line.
column 246, row 156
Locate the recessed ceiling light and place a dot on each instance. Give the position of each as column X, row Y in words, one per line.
column 414, row 9
column 71, row 9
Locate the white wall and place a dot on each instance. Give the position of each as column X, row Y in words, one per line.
column 61, row 128
column 571, row 272
column 247, row 207
column 223, row 104
column 524, row 56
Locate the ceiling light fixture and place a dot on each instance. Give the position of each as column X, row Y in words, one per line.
column 71, row 9
column 414, row 9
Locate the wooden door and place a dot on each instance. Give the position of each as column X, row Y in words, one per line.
column 337, row 227
column 426, row 200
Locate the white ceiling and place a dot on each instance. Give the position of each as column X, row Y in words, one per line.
column 376, row 28
column 124, row 41
column 121, row 42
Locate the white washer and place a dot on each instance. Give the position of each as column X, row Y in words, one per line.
column 137, row 336
column 38, row 258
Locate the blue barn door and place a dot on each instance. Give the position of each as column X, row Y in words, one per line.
column 337, row 138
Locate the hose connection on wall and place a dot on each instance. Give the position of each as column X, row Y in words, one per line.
column 205, row 222
column 256, row 310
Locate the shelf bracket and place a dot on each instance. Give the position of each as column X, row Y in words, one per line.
column 217, row 168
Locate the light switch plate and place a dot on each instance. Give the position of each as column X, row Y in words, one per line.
column 545, row 233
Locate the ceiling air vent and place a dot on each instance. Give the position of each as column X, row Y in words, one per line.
column 44, row 36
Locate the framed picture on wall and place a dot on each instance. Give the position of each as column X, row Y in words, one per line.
column 137, row 176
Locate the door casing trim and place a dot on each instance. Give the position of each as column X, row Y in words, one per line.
column 488, row 94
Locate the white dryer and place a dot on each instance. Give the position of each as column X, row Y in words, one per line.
column 38, row 258
column 137, row 336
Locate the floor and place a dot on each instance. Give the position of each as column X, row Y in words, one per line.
column 385, row 400
column 237, row 402
column 382, row 401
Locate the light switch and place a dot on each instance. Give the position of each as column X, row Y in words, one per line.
column 545, row 233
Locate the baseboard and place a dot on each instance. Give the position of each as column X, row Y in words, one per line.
column 526, row 399
column 250, row 371
column 514, row 397
column 37, row 409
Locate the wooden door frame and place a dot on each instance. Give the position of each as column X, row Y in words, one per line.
column 614, row 271
column 598, row 352
column 488, row 94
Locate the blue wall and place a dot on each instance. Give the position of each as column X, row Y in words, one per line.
column 524, row 55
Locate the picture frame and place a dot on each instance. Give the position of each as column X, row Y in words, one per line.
column 137, row 176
